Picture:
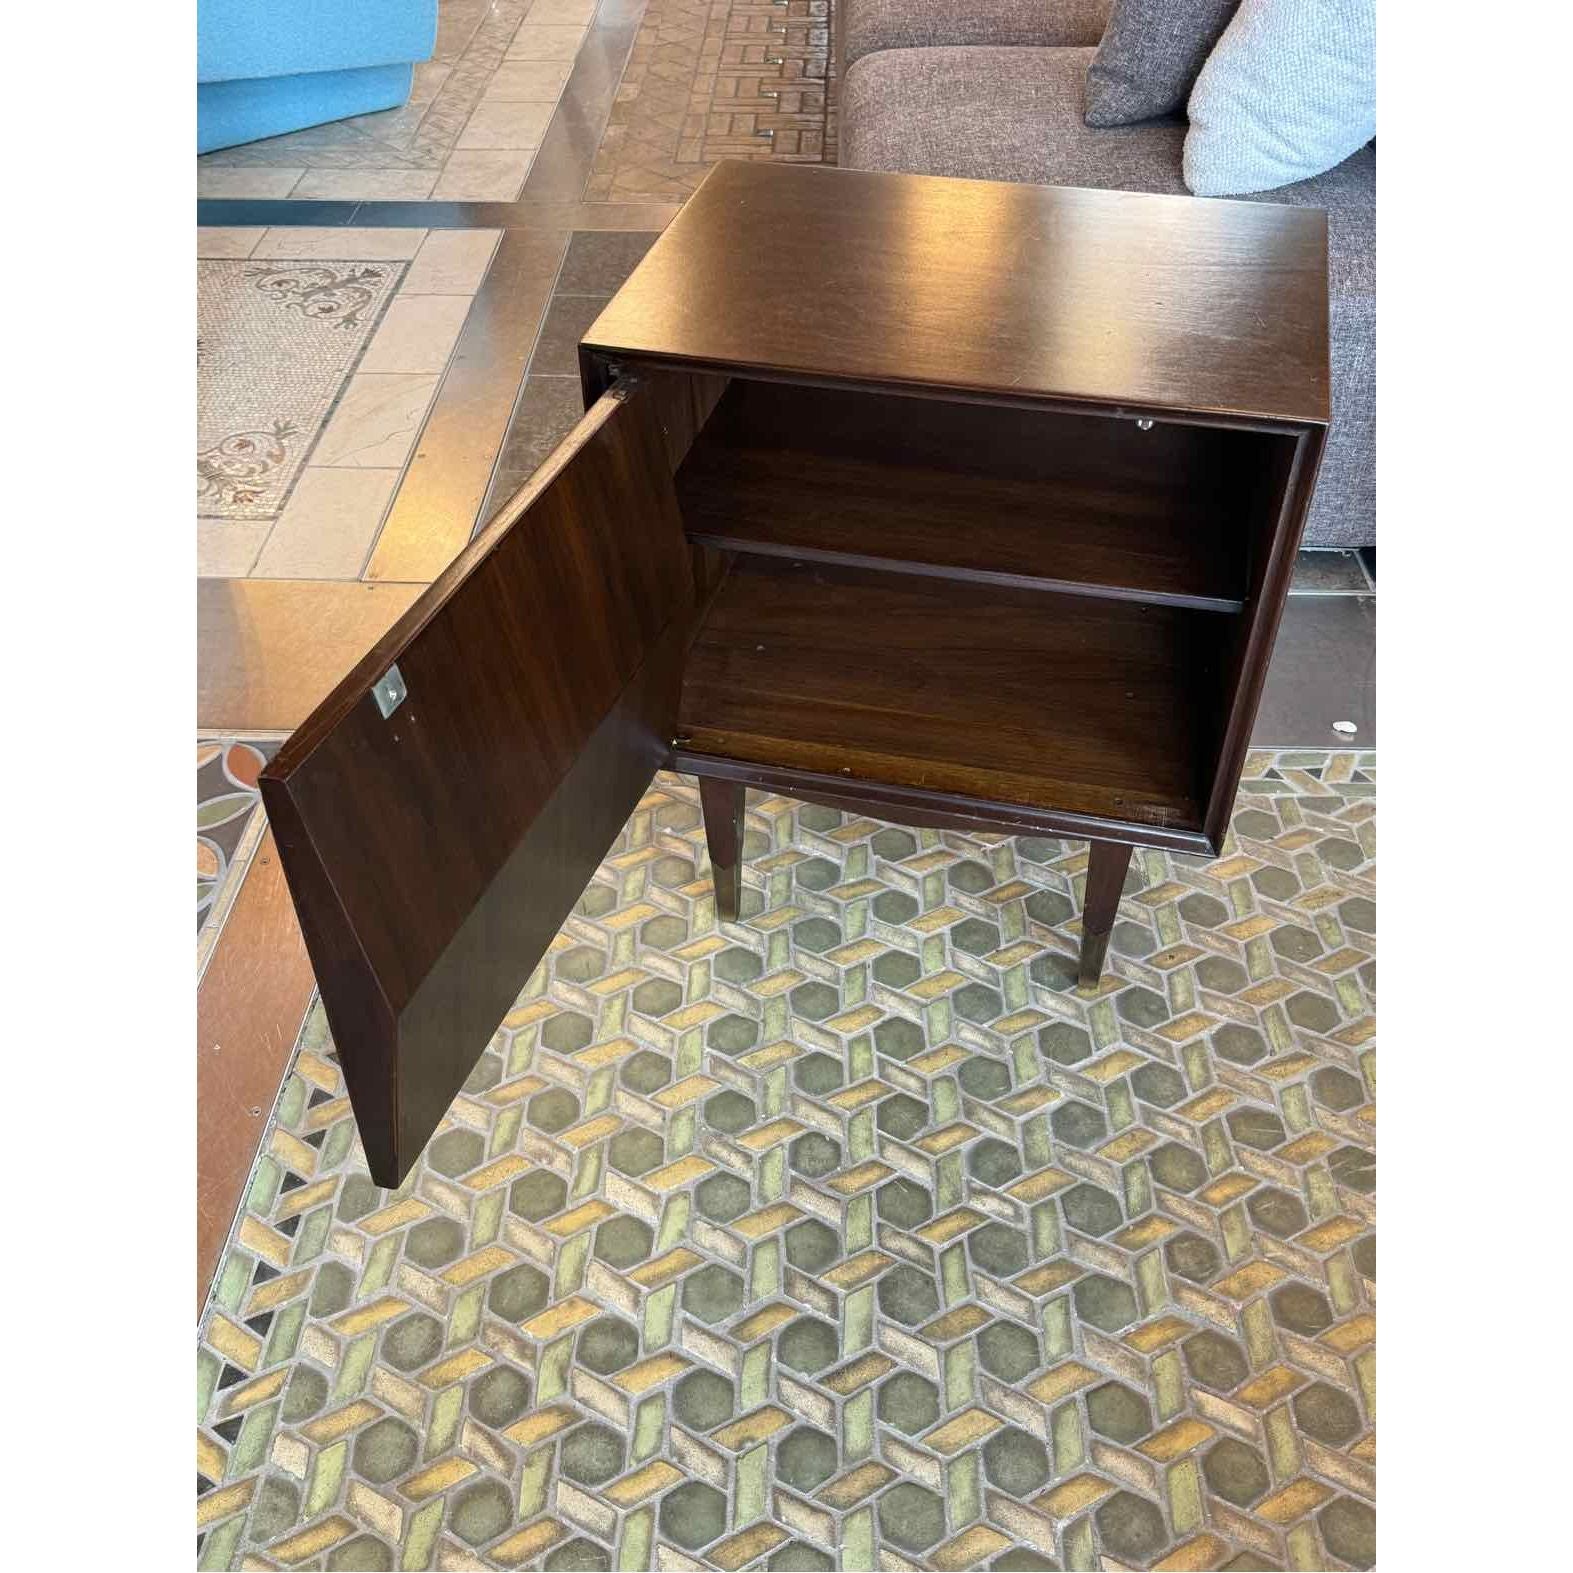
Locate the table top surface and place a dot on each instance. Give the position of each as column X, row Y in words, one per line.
column 1106, row 298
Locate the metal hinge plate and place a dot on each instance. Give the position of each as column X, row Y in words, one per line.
column 389, row 691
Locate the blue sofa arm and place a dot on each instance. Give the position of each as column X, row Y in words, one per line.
column 267, row 68
column 251, row 38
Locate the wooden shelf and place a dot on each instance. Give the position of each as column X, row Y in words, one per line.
column 1084, row 705
column 1076, row 504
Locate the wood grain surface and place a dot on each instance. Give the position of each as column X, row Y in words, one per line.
column 1108, row 297
column 433, row 854
column 1006, row 496
column 1021, row 697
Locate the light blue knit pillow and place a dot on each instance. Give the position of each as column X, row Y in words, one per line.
column 1289, row 91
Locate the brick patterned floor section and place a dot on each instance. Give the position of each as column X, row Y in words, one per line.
column 714, row 79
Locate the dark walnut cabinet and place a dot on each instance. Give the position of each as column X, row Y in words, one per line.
column 952, row 503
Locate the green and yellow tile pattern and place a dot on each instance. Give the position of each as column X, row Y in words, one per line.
column 850, row 1235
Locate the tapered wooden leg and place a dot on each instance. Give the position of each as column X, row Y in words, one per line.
column 723, row 802
column 1106, row 866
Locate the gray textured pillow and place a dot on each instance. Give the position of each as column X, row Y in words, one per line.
column 1149, row 57
column 1289, row 92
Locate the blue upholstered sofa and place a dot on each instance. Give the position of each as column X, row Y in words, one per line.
column 265, row 67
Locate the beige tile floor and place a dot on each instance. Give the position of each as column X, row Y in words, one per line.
column 329, row 525
column 469, row 132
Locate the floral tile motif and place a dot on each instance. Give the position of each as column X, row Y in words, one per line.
column 850, row 1234
column 227, row 799
column 322, row 353
column 276, row 342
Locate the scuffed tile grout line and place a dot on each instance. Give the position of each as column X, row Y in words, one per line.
column 258, row 734
column 258, row 231
column 480, row 22
column 551, row 295
column 256, row 556
column 1361, row 589
column 437, row 391
column 341, row 235
column 489, row 504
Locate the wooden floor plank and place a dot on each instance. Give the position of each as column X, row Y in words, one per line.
column 250, row 1005
column 269, row 650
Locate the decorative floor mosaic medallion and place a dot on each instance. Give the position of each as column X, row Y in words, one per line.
column 849, row 1235
column 276, row 342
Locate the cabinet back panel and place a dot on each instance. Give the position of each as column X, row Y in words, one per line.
column 1085, row 503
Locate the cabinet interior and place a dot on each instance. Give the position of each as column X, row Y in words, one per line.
column 1009, row 604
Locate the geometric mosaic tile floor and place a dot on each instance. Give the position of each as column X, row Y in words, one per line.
column 849, row 1235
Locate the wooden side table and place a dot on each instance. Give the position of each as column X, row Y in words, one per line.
column 952, row 503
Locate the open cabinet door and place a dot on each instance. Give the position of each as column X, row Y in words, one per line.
column 435, row 842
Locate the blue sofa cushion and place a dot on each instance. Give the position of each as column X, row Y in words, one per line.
column 255, row 107
column 250, row 38
column 1288, row 94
